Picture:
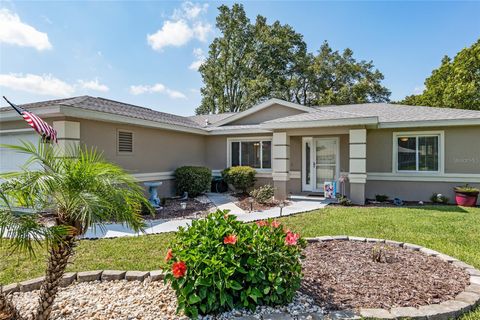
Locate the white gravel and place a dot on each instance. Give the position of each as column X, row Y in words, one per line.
column 301, row 304
column 128, row 300
column 107, row 300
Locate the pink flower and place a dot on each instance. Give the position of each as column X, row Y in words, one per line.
column 261, row 223
column 179, row 269
column 169, row 255
column 275, row 224
column 291, row 238
column 230, row 239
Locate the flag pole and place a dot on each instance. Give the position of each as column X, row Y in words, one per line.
column 13, row 106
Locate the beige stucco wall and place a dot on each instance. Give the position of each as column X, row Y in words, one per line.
column 462, row 149
column 273, row 112
column 412, row 190
column 155, row 150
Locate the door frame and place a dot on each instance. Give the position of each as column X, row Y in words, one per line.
column 312, row 140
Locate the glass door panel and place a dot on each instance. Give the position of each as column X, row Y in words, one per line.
column 325, row 162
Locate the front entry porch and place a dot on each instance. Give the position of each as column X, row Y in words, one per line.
column 304, row 161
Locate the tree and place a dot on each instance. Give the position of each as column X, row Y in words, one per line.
column 340, row 79
column 77, row 190
column 455, row 84
column 250, row 63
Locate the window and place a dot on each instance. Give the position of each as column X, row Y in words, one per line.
column 254, row 153
column 125, row 141
column 418, row 152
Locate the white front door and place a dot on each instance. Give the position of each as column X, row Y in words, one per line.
column 320, row 162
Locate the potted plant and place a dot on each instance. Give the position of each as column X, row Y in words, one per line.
column 466, row 196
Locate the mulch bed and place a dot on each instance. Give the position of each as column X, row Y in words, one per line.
column 244, row 203
column 173, row 209
column 342, row 275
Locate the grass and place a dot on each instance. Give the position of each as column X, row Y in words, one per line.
column 451, row 230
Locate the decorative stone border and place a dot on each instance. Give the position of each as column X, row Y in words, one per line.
column 463, row 302
column 86, row 276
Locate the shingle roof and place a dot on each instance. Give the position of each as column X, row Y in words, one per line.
column 396, row 112
column 212, row 118
column 115, row 107
column 384, row 111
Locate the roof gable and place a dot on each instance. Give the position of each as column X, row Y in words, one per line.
column 258, row 113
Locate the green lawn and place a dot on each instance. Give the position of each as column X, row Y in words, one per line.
column 452, row 230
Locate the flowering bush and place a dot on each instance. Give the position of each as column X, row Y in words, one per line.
column 220, row 263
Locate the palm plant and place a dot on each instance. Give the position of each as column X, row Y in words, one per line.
column 70, row 192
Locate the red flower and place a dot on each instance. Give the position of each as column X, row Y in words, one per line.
column 275, row 224
column 261, row 223
column 291, row 238
column 230, row 239
column 169, row 255
column 179, row 269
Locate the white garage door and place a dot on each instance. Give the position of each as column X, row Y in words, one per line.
column 11, row 160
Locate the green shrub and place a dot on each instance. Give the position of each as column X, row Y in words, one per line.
column 241, row 177
column 344, row 201
column 194, row 180
column 381, row 197
column 263, row 194
column 220, row 263
column 439, row 198
column 466, row 189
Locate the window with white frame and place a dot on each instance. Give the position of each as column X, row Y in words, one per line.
column 418, row 152
column 251, row 152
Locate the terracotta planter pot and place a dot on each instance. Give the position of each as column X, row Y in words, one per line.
column 466, row 199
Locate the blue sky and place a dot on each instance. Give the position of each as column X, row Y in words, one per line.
column 145, row 53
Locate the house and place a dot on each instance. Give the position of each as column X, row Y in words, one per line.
column 401, row 151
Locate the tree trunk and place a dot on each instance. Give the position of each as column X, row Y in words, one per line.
column 57, row 263
column 7, row 309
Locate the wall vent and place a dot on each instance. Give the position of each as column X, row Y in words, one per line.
column 125, row 141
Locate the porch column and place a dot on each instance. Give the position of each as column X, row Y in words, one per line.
column 68, row 134
column 281, row 164
column 358, row 165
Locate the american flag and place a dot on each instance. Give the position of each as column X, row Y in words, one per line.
column 44, row 129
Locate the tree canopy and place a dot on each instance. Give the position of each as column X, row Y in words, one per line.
column 455, row 84
column 252, row 62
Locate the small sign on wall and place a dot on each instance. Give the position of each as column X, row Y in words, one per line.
column 330, row 189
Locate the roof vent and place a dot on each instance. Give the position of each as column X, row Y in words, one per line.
column 207, row 122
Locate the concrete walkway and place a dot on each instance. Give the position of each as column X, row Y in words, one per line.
column 220, row 201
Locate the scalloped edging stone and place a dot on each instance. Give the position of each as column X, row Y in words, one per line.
column 464, row 302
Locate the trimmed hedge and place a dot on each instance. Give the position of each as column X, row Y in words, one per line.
column 194, row 180
column 241, row 177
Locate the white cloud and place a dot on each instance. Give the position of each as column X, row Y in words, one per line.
column 184, row 26
column 14, row 31
column 157, row 88
column 93, row 85
column 199, row 59
column 189, row 10
column 201, row 30
column 418, row 90
column 173, row 33
column 44, row 85
column 47, row 84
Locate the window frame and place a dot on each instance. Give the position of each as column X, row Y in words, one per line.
column 418, row 134
column 259, row 139
column 117, row 146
